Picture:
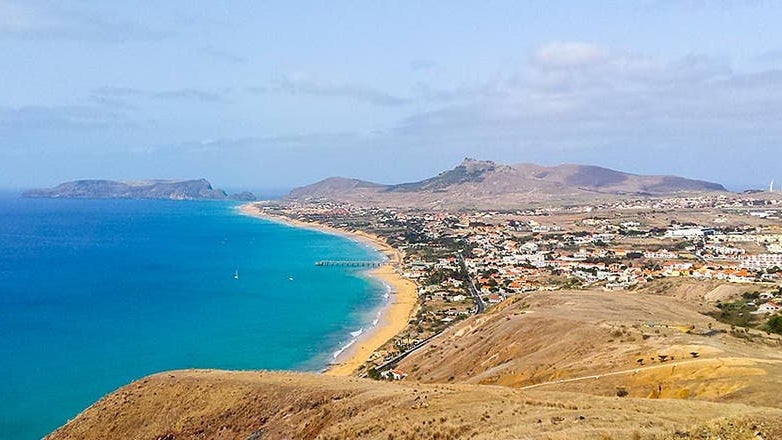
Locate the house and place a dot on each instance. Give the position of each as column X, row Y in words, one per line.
column 663, row 254
column 688, row 232
column 393, row 374
column 769, row 307
column 761, row 261
column 493, row 298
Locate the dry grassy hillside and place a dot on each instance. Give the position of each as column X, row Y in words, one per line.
column 698, row 292
column 183, row 405
column 649, row 345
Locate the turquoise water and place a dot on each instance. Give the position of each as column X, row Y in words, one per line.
column 97, row 293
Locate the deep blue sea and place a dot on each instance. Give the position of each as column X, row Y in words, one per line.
column 97, row 293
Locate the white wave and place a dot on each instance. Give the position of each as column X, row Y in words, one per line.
column 357, row 333
column 377, row 318
column 343, row 348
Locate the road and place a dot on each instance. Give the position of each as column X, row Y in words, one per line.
column 392, row 362
column 480, row 308
column 480, row 305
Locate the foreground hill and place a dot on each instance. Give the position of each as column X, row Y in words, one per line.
column 182, row 405
column 146, row 189
column 475, row 183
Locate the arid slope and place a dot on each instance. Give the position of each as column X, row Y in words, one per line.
column 650, row 345
column 182, row 405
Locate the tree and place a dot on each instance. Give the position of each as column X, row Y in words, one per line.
column 774, row 324
column 374, row 374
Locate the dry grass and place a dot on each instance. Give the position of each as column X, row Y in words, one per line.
column 620, row 337
column 263, row 405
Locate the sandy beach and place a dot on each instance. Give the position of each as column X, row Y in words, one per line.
column 394, row 315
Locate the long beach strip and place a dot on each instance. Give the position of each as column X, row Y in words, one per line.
column 393, row 316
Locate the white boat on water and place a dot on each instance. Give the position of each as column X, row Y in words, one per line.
column 236, row 275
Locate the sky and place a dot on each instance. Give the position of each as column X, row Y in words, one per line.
column 269, row 94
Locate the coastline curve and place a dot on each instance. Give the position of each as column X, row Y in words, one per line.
column 393, row 316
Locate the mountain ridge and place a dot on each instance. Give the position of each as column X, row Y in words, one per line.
column 484, row 182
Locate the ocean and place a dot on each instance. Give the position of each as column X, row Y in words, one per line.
column 97, row 293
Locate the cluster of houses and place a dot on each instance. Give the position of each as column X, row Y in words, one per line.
column 506, row 253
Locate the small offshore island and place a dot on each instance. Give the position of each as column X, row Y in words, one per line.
column 529, row 302
column 199, row 189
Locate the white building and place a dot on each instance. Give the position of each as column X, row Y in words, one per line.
column 769, row 307
column 538, row 259
column 663, row 254
column 687, row 232
column 761, row 261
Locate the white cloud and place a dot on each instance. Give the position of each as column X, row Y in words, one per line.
column 578, row 97
column 34, row 20
column 185, row 94
column 301, row 83
column 15, row 17
column 569, row 54
column 222, row 55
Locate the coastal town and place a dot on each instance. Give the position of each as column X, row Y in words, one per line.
column 465, row 262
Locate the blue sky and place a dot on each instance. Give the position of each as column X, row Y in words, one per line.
column 280, row 94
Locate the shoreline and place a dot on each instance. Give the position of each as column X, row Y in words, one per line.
column 393, row 315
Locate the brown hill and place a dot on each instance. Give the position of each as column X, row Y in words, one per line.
column 475, row 183
column 595, row 342
column 183, row 405
column 333, row 187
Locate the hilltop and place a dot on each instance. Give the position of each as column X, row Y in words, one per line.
column 199, row 189
column 476, row 183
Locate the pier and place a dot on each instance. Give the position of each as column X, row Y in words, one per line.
column 350, row 263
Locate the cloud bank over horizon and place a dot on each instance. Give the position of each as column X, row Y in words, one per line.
column 268, row 98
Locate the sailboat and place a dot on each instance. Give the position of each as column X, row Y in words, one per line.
column 236, row 275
